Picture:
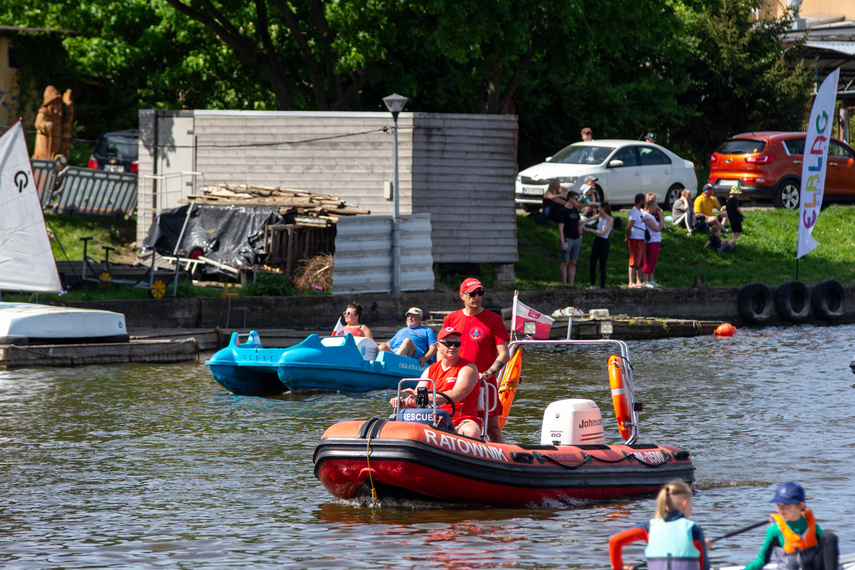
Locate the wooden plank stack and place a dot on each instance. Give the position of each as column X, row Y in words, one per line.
column 297, row 206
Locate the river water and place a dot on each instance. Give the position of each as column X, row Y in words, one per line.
column 134, row 466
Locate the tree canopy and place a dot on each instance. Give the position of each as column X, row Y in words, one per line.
column 694, row 72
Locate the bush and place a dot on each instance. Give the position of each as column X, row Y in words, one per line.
column 269, row 285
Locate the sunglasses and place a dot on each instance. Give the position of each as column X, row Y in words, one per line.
column 451, row 343
column 349, row 314
column 477, row 292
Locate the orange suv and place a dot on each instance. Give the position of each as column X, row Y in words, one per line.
column 768, row 165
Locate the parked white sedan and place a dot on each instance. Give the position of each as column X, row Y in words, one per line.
column 623, row 168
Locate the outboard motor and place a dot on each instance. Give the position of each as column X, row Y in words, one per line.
column 434, row 417
column 572, row 422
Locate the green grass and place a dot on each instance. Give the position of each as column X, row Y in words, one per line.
column 115, row 232
column 766, row 252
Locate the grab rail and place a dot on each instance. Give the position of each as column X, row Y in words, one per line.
column 634, row 405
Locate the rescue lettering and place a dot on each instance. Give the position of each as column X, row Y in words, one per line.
column 473, row 448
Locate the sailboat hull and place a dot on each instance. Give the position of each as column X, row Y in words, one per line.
column 28, row 323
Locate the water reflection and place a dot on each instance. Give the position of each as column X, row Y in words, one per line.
column 156, row 466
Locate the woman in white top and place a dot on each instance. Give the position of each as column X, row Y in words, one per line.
column 653, row 212
column 600, row 249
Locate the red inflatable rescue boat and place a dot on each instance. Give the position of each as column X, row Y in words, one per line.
column 389, row 458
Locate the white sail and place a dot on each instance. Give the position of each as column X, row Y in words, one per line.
column 26, row 259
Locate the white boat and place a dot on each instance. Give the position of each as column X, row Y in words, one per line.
column 27, row 263
column 29, row 323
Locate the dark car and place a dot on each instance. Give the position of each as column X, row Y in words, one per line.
column 768, row 166
column 116, row 151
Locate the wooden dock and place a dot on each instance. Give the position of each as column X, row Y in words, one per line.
column 181, row 345
column 632, row 328
column 137, row 350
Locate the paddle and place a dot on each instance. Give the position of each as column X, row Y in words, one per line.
column 741, row 530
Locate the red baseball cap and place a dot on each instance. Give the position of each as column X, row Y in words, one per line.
column 447, row 331
column 470, row 285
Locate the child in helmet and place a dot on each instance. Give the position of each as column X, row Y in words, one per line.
column 794, row 538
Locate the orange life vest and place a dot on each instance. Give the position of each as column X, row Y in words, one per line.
column 792, row 540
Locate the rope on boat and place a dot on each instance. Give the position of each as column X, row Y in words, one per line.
column 588, row 458
column 374, row 501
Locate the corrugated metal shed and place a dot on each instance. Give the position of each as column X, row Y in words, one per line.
column 458, row 168
column 363, row 254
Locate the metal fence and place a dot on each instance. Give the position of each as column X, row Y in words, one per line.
column 44, row 175
column 90, row 192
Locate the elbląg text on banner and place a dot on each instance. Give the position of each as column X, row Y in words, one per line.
column 815, row 162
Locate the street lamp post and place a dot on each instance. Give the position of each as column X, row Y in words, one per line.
column 395, row 103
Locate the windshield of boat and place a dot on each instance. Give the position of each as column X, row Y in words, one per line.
column 582, row 154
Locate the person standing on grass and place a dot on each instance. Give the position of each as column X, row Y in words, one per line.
column 655, row 223
column 570, row 234
column 734, row 215
column 602, row 245
column 635, row 239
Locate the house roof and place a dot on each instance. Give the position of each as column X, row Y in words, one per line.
column 829, row 47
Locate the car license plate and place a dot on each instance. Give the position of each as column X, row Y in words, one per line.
column 114, row 167
column 533, row 190
column 728, row 182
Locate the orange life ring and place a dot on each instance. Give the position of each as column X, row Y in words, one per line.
column 619, row 396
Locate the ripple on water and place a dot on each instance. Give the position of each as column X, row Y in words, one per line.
column 156, row 466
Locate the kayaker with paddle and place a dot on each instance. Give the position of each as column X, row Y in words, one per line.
column 794, row 538
column 673, row 541
column 485, row 341
column 455, row 377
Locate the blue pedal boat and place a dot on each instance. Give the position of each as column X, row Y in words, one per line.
column 247, row 369
column 346, row 363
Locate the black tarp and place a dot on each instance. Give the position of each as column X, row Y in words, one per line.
column 231, row 235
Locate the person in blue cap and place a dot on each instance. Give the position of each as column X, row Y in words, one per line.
column 794, row 539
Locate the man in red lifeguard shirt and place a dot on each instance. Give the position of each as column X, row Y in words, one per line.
column 456, row 378
column 485, row 340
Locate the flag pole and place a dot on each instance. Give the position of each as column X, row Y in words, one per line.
column 514, row 314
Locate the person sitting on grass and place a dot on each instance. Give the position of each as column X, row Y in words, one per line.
column 707, row 210
column 682, row 212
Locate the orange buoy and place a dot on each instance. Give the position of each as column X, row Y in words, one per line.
column 725, row 329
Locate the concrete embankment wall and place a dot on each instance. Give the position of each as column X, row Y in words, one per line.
column 703, row 303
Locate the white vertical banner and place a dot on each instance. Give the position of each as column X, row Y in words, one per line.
column 815, row 161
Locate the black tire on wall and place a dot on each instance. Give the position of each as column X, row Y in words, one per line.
column 755, row 303
column 828, row 300
column 792, row 301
